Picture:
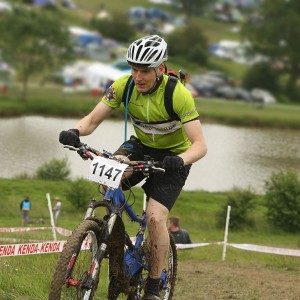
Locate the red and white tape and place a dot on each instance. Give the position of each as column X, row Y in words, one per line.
column 31, row 248
column 62, row 231
column 23, row 229
column 57, row 246
column 36, row 248
column 264, row 249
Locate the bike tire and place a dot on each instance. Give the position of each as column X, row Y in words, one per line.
column 170, row 272
column 80, row 260
column 166, row 293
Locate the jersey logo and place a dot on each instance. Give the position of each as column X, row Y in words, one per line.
column 110, row 94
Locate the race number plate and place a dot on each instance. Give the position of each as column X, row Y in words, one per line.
column 106, row 171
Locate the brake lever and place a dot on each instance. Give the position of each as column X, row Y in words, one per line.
column 159, row 169
column 72, row 148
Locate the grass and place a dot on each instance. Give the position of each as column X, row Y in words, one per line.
column 48, row 100
column 197, row 211
column 249, row 114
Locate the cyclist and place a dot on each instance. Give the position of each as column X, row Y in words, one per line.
column 176, row 143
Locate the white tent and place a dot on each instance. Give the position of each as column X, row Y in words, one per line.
column 76, row 70
column 97, row 75
column 5, row 6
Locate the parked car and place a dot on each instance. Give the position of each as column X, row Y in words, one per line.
column 213, row 80
column 226, row 92
column 69, row 4
column 227, row 79
column 203, row 88
column 243, row 94
column 262, row 96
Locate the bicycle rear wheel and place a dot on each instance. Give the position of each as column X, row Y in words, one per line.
column 168, row 277
column 72, row 272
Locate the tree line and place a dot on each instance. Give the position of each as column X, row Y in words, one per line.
column 36, row 42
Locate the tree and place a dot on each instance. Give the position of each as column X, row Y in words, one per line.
column 55, row 169
column 32, row 41
column 190, row 43
column 79, row 192
column 117, row 27
column 283, row 200
column 261, row 75
column 193, row 7
column 278, row 36
column 242, row 203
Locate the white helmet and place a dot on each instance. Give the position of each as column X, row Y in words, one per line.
column 149, row 51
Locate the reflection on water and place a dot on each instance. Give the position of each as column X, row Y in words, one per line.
column 241, row 157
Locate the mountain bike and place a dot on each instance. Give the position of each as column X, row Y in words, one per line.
column 100, row 259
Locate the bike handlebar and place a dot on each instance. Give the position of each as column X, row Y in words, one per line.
column 147, row 165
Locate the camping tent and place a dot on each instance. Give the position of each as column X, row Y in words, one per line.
column 44, row 2
column 97, row 75
column 83, row 37
column 5, row 6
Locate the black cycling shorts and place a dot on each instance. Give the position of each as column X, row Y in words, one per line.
column 162, row 187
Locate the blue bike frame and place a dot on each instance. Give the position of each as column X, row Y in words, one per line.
column 133, row 256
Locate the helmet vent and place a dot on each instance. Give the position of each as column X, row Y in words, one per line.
column 152, row 55
column 145, row 54
column 139, row 51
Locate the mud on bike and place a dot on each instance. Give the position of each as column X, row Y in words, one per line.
column 100, row 260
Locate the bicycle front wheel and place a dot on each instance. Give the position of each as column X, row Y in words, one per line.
column 72, row 278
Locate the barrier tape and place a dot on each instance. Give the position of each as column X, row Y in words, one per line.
column 62, row 231
column 14, row 240
column 38, row 247
column 191, row 246
column 54, row 247
column 31, row 248
column 264, row 249
column 23, row 229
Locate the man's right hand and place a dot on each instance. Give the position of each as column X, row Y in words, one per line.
column 70, row 137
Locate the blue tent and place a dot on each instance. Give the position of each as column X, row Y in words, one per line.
column 44, row 2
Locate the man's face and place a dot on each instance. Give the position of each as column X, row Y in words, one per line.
column 144, row 78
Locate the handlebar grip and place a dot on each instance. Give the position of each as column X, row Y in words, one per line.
column 158, row 164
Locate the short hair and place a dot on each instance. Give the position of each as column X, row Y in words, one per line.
column 175, row 221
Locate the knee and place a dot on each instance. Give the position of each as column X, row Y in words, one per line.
column 155, row 221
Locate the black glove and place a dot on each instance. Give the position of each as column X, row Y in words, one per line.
column 70, row 137
column 173, row 163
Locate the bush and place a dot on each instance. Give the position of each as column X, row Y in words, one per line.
column 283, row 200
column 190, row 43
column 117, row 27
column 241, row 202
column 79, row 193
column 261, row 75
column 55, row 169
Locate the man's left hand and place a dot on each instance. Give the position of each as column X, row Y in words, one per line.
column 173, row 163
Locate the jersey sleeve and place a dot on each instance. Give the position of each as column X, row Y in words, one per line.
column 184, row 104
column 113, row 95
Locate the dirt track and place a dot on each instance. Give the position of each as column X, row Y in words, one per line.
column 222, row 280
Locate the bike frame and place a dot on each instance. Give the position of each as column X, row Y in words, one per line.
column 114, row 200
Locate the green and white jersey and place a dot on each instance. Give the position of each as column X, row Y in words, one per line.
column 152, row 124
